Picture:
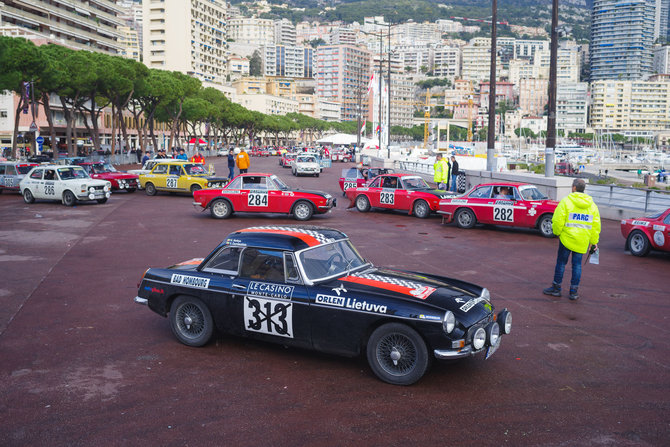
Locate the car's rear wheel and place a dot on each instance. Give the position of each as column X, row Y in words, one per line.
column 150, row 189
column 544, row 226
column 362, row 204
column 220, row 209
column 638, row 243
column 28, row 196
column 69, row 198
column 303, row 210
column 421, row 209
column 397, row 354
column 465, row 218
column 191, row 321
column 101, row 201
column 195, row 188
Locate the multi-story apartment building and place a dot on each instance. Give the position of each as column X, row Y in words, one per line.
column 622, row 34
column 288, row 61
column 342, row 74
column 132, row 16
column 635, row 108
column 418, row 33
column 446, row 62
column 251, row 31
column 188, row 36
column 504, row 92
column 402, row 100
column 571, row 107
column 285, row 32
column 662, row 59
column 476, row 63
column 130, row 41
column 268, row 104
column 533, row 96
column 413, row 57
column 343, row 35
column 308, row 31
column 527, row 49
column 238, row 66
column 92, row 25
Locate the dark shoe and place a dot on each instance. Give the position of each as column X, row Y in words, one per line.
column 574, row 295
column 554, row 290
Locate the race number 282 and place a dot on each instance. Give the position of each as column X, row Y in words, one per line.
column 503, row 213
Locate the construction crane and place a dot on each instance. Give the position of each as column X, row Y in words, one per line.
column 479, row 20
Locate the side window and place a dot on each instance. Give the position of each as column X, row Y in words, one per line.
column 376, row 183
column 50, row 174
column 175, row 169
column 225, row 261
column 390, row 182
column 262, row 264
column 290, row 268
column 2, row 169
column 252, row 182
column 11, row 170
column 667, row 220
column 36, row 175
column 160, row 169
column 236, row 184
column 481, row 193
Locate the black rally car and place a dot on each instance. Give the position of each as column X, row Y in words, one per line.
column 308, row 287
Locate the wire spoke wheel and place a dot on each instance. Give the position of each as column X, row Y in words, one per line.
column 191, row 321
column 396, row 354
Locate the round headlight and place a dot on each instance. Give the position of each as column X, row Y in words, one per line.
column 91, row 196
column 106, row 188
column 505, row 321
column 91, row 189
column 479, row 339
column 493, row 334
column 448, row 322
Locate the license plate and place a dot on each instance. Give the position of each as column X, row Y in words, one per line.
column 491, row 350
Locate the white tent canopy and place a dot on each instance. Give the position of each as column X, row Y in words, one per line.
column 340, row 139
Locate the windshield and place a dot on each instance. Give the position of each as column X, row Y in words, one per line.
column 415, row 183
column 304, row 159
column 329, row 260
column 531, row 193
column 195, row 169
column 101, row 168
column 281, row 185
column 24, row 169
column 72, row 173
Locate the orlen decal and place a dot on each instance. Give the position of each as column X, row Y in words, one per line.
column 190, row 281
column 350, row 303
column 642, row 223
column 270, row 290
column 470, row 304
column 422, row 292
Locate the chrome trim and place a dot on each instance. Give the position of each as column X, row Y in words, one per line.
column 140, row 300
column 445, row 355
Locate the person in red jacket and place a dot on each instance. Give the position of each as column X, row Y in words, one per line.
column 198, row 158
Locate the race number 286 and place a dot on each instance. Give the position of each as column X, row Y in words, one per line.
column 503, row 213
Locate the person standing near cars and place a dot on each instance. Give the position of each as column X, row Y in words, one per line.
column 576, row 222
column 454, row 174
column 231, row 163
column 441, row 174
column 243, row 161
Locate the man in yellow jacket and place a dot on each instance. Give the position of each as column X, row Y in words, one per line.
column 441, row 172
column 243, row 161
column 576, row 222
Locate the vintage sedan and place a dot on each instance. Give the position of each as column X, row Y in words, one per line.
column 404, row 192
column 262, row 193
column 644, row 234
column 305, row 164
column 287, row 159
column 121, row 181
column 11, row 174
column 178, row 176
column 68, row 184
column 353, row 177
column 507, row 204
column 308, row 287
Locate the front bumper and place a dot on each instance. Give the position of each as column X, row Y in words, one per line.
column 94, row 195
column 447, row 216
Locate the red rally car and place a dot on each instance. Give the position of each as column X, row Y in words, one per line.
column 646, row 233
column 353, row 177
column 121, row 181
column 286, row 159
column 509, row 204
column 405, row 192
column 262, row 193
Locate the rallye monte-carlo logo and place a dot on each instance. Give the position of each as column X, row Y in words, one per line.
column 190, row 281
column 350, row 303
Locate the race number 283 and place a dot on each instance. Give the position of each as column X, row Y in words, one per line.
column 269, row 317
column 503, row 213
column 387, row 197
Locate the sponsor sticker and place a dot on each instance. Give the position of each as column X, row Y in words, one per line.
column 430, row 317
column 190, row 281
column 659, row 238
column 459, row 201
column 154, row 290
column 350, row 303
column 642, row 223
column 504, row 202
column 532, row 211
column 471, row 303
column 659, row 228
column 231, row 241
column 270, row 290
column 422, row 292
column 268, row 317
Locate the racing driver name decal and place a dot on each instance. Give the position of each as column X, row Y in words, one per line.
column 350, row 303
column 270, row 290
column 190, row 281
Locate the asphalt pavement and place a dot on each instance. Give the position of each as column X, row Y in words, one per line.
column 82, row 364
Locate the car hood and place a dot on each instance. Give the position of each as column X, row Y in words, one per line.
column 440, row 194
column 115, row 175
column 325, row 195
column 421, row 290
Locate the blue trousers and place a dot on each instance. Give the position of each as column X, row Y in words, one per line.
column 562, row 260
column 231, row 172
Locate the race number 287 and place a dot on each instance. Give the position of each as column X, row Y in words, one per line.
column 171, row 182
column 503, row 213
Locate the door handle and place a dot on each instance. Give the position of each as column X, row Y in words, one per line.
column 239, row 286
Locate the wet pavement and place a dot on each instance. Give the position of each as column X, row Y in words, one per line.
column 81, row 364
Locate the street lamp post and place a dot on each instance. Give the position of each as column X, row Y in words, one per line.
column 549, row 152
column 491, row 136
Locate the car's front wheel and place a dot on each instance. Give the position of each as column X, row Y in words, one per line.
column 28, row 196
column 150, row 189
column 220, row 209
column 362, row 204
column 191, row 321
column 638, row 243
column 397, row 354
column 303, row 210
column 545, row 226
column 195, row 188
column 465, row 218
column 101, row 201
column 421, row 209
column 69, row 198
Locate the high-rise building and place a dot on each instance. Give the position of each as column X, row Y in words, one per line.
column 92, row 25
column 251, row 31
column 342, row 74
column 622, row 35
column 288, row 61
column 188, row 36
column 571, row 107
column 285, row 32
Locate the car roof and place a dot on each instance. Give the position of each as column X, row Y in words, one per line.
column 284, row 237
column 19, row 163
column 512, row 184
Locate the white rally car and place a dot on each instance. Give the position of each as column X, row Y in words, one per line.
column 305, row 164
column 68, row 184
